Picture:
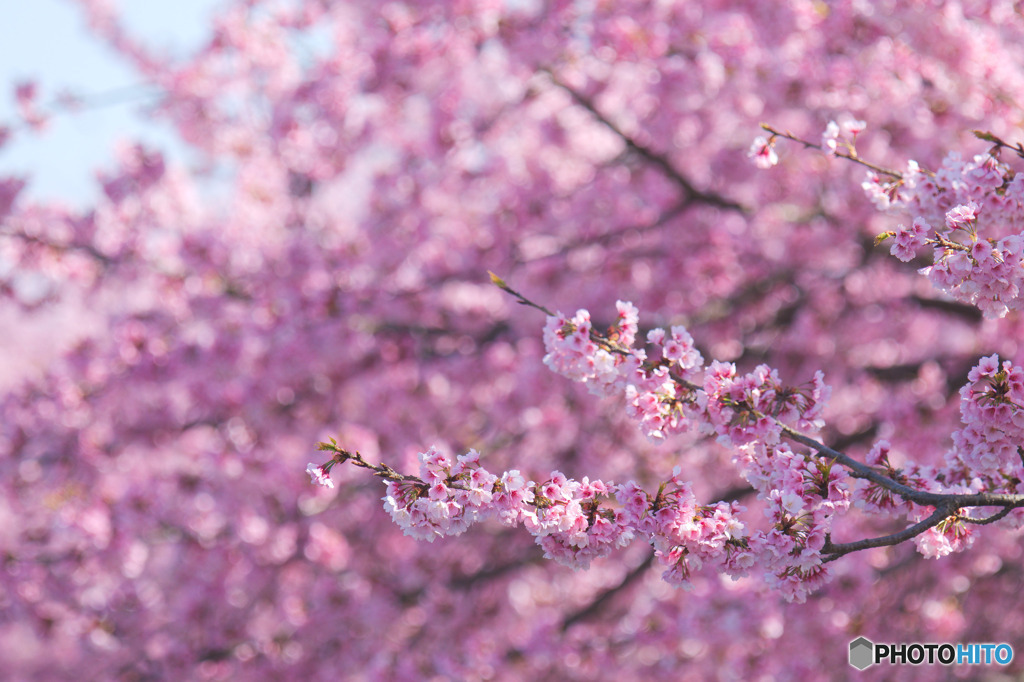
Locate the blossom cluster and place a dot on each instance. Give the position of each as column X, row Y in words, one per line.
column 985, row 272
column 574, row 521
column 952, row 534
column 838, row 135
column 985, row 457
column 992, row 409
column 661, row 388
column 184, row 331
column 686, row 535
column 970, row 212
column 802, row 495
column 747, row 413
column 669, row 390
column 756, row 406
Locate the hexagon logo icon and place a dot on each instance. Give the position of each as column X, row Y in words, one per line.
column 862, row 653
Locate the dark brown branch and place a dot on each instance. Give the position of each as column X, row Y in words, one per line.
column 692, row 194
column 989, row 519
column 382, row 470
column 860, row 470
column 594, row 607
column 836, row 551
column 606, row 237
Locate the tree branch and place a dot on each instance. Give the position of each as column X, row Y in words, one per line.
column 836, row 551
column 858, row 469
column 921, row 497
column 849, row 156
column 692, row 194
column 594, row 607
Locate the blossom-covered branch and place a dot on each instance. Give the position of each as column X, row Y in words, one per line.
column 669, row 390
column 970, row 212
column 309, row 261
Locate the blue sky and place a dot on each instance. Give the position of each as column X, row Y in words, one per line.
column 48, row 41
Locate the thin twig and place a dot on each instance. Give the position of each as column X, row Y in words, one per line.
column 989, row 519
column 836, row 551
column 849, row 156
column 1017, row 149
column 522, row 300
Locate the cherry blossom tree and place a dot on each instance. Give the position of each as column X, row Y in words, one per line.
column 786, row 404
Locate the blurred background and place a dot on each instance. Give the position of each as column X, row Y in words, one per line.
column 48, row 42
column 158, row 523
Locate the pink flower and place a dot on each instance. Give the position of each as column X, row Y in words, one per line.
column 680, row 349
column 981, row 251
column 552, row 491
column 853, row 127
column 629, row 318
column 763, row 153
column 792, row 503
column 438, row 491
column 962, row 216
column 908, row 240
column 830, row 138
column 26, row 96
column 320, row 475
column 952, row 535
column 513, row 480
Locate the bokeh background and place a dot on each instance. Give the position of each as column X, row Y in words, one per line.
column 298, row 248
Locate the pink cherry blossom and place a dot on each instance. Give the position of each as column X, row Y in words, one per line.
column 763, row 153
column 830, row 138
column 783, row 421
column 319, row 475
column 909, row 240
column 961, row 216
